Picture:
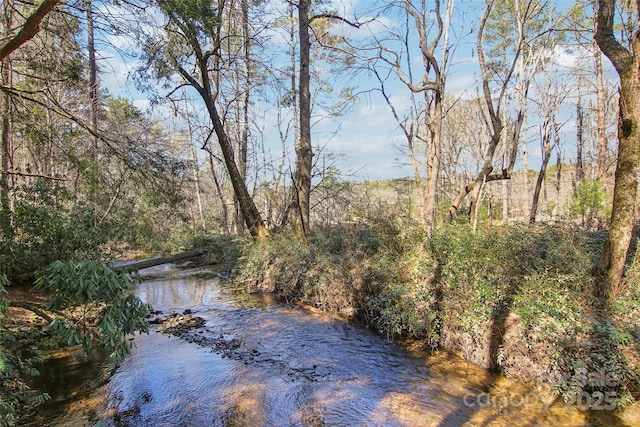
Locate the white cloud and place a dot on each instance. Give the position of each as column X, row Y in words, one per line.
column 462, row 85
column 370, row 142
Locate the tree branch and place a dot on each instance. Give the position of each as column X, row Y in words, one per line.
column 36, row 175
column 29, row 29
column 334, row 17
column 620, row 57
column 32, row 307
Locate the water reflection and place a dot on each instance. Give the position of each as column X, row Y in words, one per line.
column 293, row 368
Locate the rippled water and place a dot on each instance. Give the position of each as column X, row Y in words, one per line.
column 284, row 367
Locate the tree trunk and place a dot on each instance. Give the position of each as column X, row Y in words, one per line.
column 546, row 155
column 243, row 144
column 601, row 109
column 612, row 262
column 434, row 148
column 522, row 105
column 556, row 205
column 7, row 149
column 474, row 207
column 579, row 140
column 249, row 210
column 146, row 263
column 196, row 182
column 304, row 152
column 220, row 193
column 95, row 100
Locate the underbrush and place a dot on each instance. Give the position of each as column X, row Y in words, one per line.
column 516, row 299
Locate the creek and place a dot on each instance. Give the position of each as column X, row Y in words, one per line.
column 259, row 362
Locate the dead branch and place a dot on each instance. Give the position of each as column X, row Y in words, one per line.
column 36, row 175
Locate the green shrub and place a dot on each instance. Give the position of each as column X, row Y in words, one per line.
column 595, row 369
column 459, row 288
column 14, row 365
column 590, row 202
column 277, row 264
column 45, row 227
column 108, row 312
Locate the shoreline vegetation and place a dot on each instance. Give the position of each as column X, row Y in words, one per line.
column 516, row 299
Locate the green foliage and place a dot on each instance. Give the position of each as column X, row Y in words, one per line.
column 15, row 394
column 406, row 309
column 44, row 227
column 225, row 250
column 277, row 264
column 541, row 275
column 375, row 272
column 589, row 203
column 14, row 364
column 137, row 183
column 102, row 308
column 200, row 14
column 451, row 288
column 597, row 367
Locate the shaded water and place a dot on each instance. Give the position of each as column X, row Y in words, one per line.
column 282, row 366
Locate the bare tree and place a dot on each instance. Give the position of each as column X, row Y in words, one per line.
column 529, row 18
column 551, row 98
column 422, row 124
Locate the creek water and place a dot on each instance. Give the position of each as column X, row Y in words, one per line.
column 259, row 362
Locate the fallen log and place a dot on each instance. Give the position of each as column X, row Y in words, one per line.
column 152, row 262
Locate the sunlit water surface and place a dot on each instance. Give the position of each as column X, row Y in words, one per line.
column 283, row 367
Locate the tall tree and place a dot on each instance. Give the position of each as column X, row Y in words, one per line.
column 304, row 150
column 422, row 125
column 626, row 61
column 6, row 151
column 302, row 174
column 94, row 96
column 192, row 45
column 518, row 26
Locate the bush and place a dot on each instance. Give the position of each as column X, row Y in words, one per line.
column 590, row 202
column 108, row 313
column 89, row 304
column 44, row 228
column 515, row 298
column 277, row 264
column 16, row 361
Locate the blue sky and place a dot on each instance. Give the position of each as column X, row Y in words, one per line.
column 367, row 140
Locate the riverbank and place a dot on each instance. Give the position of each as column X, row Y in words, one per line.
column 516, row 300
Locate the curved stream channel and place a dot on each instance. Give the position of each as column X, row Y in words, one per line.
column 258, row 362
